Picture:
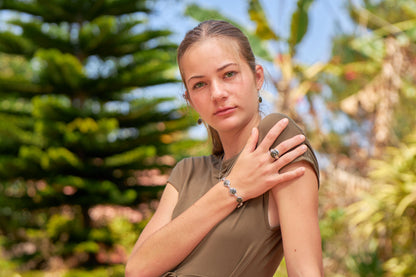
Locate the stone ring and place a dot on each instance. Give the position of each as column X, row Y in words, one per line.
column 274, row 153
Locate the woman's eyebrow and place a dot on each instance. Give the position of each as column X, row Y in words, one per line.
column 225, row 66
column 218, row 70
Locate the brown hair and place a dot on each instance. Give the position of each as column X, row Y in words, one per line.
column 210, row 29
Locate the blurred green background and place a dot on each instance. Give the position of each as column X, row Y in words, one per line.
column 92, row 120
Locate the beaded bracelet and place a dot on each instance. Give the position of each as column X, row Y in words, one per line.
column 233, row 192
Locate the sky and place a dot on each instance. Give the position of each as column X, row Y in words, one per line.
column 327, row 18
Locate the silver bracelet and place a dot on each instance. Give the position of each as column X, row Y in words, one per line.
column 233, row 192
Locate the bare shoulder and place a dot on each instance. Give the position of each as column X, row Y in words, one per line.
column 162, row 216
column 166, row 206
column 304, row 186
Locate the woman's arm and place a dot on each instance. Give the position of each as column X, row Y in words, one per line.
column 162, row 216
column 297, row 203
column 164, row 243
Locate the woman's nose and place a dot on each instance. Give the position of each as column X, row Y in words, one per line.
column 218, row 91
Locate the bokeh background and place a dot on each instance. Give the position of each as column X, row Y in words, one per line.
column 92, row 120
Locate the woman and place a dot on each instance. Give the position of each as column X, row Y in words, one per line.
column 234, row 212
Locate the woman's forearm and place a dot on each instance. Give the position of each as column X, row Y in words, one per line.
column 171, row 244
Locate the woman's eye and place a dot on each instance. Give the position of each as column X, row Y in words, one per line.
column 198, row 85
column 229, row 74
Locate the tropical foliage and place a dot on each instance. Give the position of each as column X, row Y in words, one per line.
column 77, row 135
column 81, row 144
column 385, row 214
column 372, row 77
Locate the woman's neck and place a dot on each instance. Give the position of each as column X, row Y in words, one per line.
column 234, row 141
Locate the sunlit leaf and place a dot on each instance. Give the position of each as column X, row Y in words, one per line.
column 263, row 29
column 299, row 24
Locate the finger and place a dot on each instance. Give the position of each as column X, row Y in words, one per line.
column 252, row 141
column 274, row 154
column 272, row 135
column 290, row 175
column 288, row 144
column 290, row 156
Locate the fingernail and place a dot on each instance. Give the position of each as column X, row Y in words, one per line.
column 302, row 137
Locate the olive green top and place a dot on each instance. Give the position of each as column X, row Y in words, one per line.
column 243, row 244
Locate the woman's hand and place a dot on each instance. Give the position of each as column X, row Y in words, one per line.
column 256, row 171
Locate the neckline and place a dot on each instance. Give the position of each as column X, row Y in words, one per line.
column 225, row 166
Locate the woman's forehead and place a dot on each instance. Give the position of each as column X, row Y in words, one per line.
column 213, row 48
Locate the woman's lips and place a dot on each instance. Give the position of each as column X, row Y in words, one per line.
column 224, row 111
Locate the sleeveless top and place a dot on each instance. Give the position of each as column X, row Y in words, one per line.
column 242, row 244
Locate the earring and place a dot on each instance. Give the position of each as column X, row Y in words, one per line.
column 260, row 99
column 199, row 121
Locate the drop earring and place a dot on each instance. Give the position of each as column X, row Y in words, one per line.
column 260, row 99
column 199, row 121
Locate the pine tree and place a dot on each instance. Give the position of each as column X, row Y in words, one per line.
column 74, row 128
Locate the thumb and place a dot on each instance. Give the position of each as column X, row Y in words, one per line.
column 252, row 141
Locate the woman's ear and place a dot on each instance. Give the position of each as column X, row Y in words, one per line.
column 259, row 76
column 187, row 98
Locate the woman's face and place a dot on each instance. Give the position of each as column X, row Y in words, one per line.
column 221, row 87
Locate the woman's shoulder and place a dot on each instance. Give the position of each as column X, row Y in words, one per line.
column 267, row 123
column 292, row 129
column 275, row 117
column 197, row 165
column 189, row 163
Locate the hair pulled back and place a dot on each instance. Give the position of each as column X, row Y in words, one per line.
column 211, row 29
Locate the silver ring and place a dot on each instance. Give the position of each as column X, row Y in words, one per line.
column 274, row 153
